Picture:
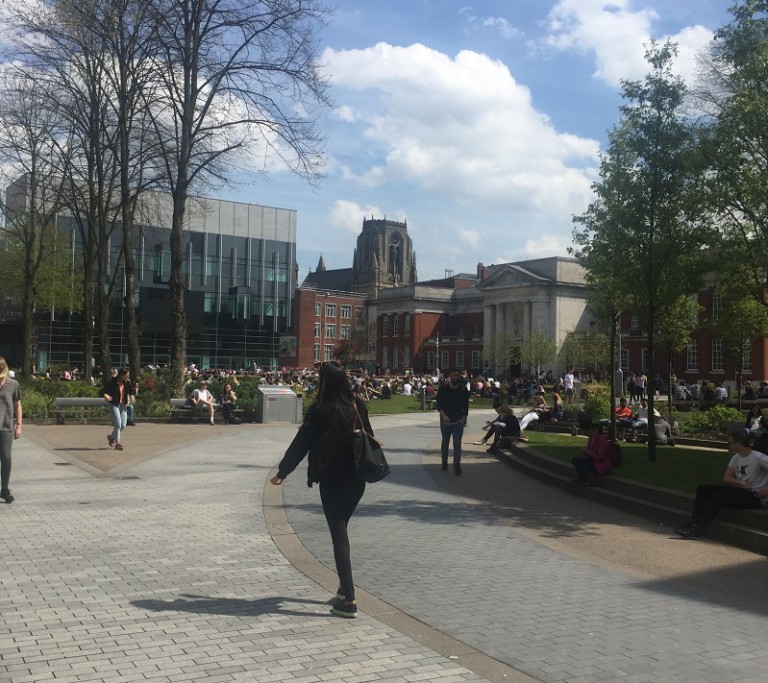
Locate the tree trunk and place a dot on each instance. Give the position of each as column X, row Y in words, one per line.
column 176, row 286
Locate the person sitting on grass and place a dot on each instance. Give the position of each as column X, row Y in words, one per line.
column 745, row 486
column 596, row 460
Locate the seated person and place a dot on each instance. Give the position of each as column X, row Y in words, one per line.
column 386, row 391
column 539, row 409
column 556, row 412
column 623, row 416
column 681, row 391
column 762, row 392
column 721, row 393
column 640, row 418
column 662, row 432
column 595, row 460
column 749, row 391
column 694, row 392
column 756, row 424
column 745, row 486
column 506, row 426
column 202, row 398
column 228, row 401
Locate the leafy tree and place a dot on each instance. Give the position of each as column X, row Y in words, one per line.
column 537, row 350
column 502, row 351
column 640, row 236
column 733, row 95
column 674, row 326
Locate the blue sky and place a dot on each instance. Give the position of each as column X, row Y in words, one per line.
column 479, row 124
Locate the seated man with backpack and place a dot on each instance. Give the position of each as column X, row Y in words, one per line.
column 599, row 457
column 505, row 429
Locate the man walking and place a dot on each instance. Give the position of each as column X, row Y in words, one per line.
column 10, row 426
column 453, row 405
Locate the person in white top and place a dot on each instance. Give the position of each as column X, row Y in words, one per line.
column 570, row 392
column 407, row 388
column 641, row 419
column 202, row 397
column 745, row 487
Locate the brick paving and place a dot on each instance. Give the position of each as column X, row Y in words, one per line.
column 163, row 569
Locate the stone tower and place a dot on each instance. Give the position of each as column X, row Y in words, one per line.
column 384, row 257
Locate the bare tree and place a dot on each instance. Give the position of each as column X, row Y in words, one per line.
column 240, row 76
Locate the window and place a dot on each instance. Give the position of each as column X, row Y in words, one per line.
column 384, row 326
column 407, row 324
column 330, row 331
column 406, row 357
column 316, row 352
column 318, row 309
column 384, row 356
column 346, row 331
column 475, row 360
column 476, row 331
column 210, row 302
column 695, row 299
column 625, row 360
column 460, row 360
column 317, row 330
column 359, row 312
column 746, row 362
column 346, row 311
column 717, row 355
column 717, row 304
column 634, row 322
column 692, row 363
column 430, row 360
column 330, row 310
column 395, row 325
column 444, row 361
column 644, row 360
column 395, row 357
column 328, row 352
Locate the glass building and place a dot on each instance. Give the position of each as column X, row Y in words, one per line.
column 240, row 270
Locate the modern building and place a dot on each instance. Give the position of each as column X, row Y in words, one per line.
column 240, row 269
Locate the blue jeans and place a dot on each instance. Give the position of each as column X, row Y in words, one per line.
column 119, row 420
column 448, row 430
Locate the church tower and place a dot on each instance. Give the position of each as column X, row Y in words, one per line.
column 383, row 258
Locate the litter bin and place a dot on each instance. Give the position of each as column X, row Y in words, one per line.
column 279, row 404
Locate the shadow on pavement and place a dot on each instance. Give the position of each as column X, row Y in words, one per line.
column 201, row 604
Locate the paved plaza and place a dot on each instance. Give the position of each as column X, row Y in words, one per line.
column 177, row 561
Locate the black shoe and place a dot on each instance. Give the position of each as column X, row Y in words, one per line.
column 444, row 467
column 131, row 423
column 457, row 471
column 690, row 531
column 342, row 609
column 5, row 494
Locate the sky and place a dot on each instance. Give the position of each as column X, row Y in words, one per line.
column 478, row 124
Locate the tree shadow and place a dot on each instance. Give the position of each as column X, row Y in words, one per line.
column 201, row 604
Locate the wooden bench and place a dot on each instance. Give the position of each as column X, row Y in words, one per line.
column 181, row 412
column 568, row 425
column 80, row 407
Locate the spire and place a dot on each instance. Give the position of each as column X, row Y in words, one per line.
column 320, row 265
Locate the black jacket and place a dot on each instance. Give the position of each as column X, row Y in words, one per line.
column 454, row 402
column 314, row 437
column 112, row 387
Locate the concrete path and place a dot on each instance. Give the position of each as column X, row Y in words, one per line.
column 167, row 566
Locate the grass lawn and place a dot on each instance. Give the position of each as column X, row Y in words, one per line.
column 680, row 468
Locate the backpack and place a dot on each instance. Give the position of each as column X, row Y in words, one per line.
column 614, row 455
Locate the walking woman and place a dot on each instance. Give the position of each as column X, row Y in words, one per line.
column 10, row 426
column 327, row 424
column 115, row 392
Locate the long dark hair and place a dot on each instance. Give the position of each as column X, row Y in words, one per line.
column 334, row 406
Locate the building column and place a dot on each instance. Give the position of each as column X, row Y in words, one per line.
column 501, row 323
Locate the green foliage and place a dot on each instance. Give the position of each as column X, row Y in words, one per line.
column 35, row 404
column 715, row 420
column 597, row 404
column 537, row 350
column 585, row 351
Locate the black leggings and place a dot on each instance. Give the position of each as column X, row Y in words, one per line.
column 6, row 442
column 340, row 498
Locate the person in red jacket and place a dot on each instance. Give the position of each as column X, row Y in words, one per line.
column 596, row 460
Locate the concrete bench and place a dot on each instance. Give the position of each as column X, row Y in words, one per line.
column 181, row 412
column 78, row 406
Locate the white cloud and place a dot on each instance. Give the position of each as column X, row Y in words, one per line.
column 471, row 238
column 502, row 27
column 459, row 128
column 618, row 36
column 348, row 216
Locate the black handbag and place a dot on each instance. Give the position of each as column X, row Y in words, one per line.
column 369, row 463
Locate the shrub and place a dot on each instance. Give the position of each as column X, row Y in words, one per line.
column 34, row 404
column 715, row 419
column 596, row 407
